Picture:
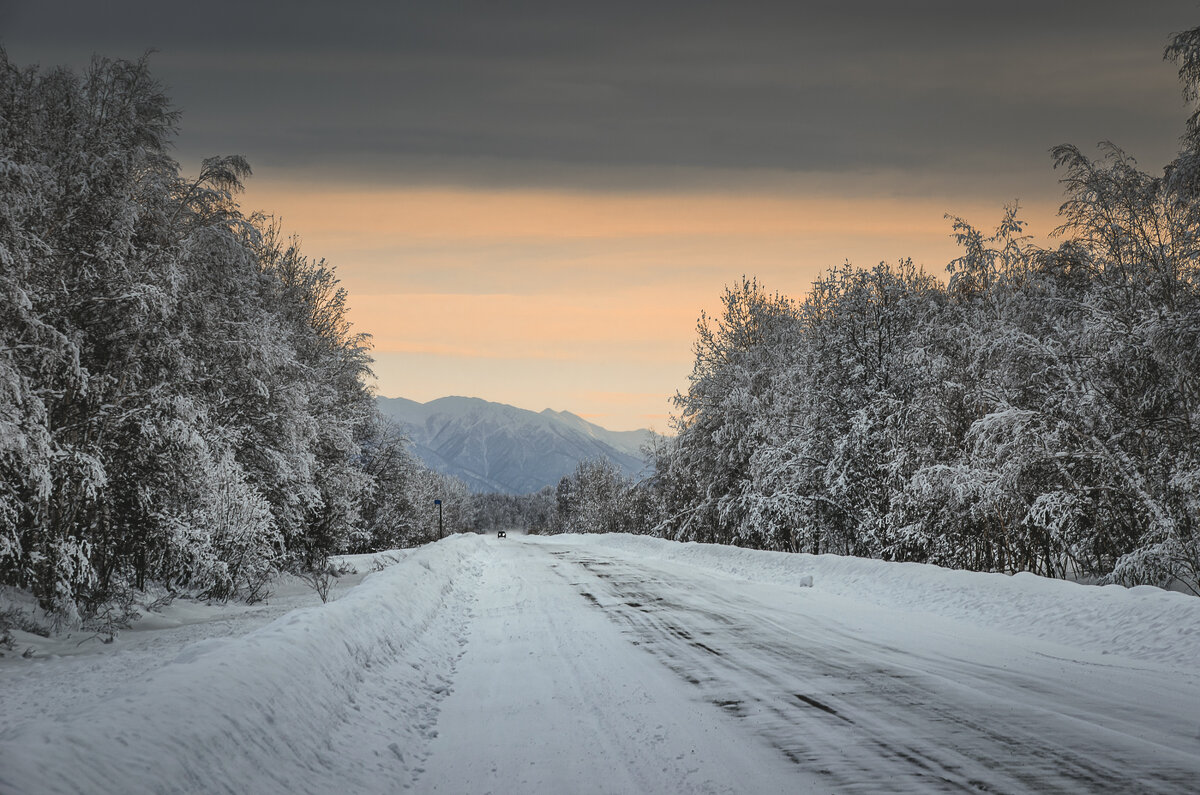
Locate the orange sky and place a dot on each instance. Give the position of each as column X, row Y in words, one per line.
column 561, row 188
column 580, row 301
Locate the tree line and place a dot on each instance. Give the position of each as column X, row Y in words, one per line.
column 182, row 397
column 1038, row 411
column 183, row 400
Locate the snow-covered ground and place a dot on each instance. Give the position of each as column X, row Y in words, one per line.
column 66, row 672
column 615, row 664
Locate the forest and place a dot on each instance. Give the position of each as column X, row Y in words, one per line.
column 1036, row 411
column 184, row 402
column 182, row 398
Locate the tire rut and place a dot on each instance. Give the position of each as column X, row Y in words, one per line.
column 849, row 712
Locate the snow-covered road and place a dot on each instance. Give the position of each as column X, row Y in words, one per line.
column 552, row 696
column 876, row 700
column 630, row 665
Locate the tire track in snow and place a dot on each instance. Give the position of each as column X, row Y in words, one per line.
column 866, row 715
column 550, row 699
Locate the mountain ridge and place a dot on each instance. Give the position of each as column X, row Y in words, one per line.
column 495, row 447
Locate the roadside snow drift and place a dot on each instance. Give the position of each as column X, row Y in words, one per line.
column 254, row 714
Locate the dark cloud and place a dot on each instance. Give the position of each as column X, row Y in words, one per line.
column 620, row 94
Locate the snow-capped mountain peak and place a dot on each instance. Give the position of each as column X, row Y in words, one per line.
column 497, row 447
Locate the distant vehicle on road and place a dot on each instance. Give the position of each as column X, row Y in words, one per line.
column 501, row 534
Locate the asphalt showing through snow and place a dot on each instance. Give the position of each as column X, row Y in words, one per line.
column 586, row 671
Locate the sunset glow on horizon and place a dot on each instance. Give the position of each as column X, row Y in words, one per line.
column 542, row 298
column 533, row 204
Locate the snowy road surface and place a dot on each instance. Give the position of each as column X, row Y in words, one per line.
column 627, row 665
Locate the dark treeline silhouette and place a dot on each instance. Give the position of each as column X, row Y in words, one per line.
column 182, row 399
column 594, row 498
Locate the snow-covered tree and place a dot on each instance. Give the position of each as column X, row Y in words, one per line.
column 1038, row 412
column 182, row 397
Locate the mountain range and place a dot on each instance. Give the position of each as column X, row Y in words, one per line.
column 494, row 447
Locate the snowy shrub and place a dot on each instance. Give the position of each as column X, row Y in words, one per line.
column 244, row 538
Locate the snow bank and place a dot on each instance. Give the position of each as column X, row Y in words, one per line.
column 368, row 562
column 252, row 714
column 1143, row 623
